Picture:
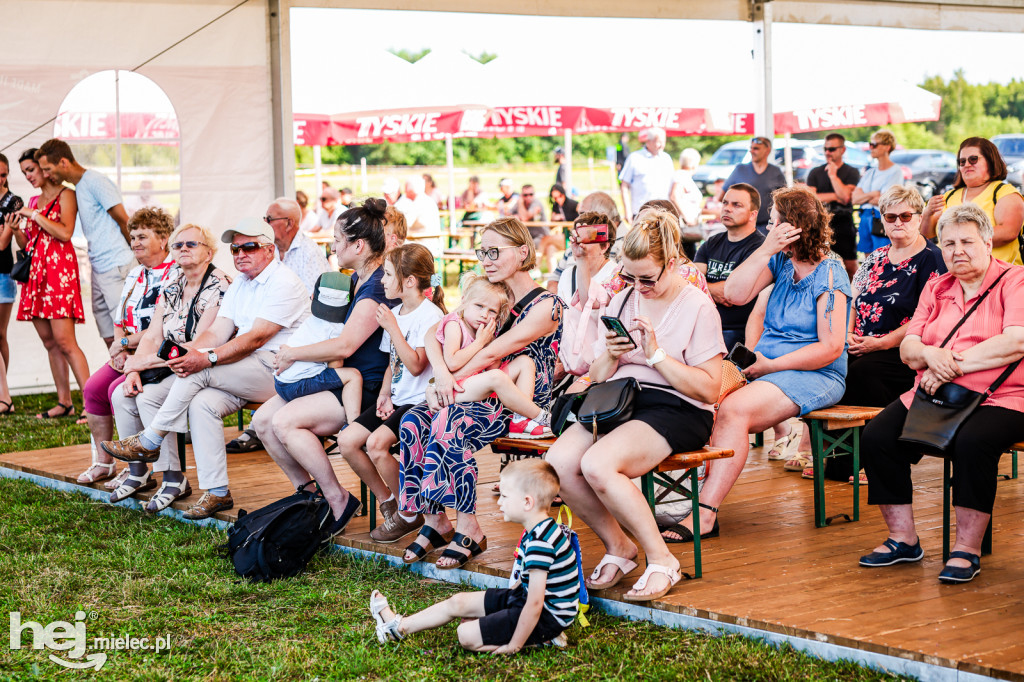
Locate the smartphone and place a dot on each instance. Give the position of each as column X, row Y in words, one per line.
column 170, row 350
column 591, row 234
column 615, row 324
column 741, row 356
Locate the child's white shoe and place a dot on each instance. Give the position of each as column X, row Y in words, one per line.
column 522, row 427
column 386, row 632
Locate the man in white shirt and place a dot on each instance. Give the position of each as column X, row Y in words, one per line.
column 421, row 215
column 330, row 208
column 300, row 253
column 647, row 174
column 228, row 365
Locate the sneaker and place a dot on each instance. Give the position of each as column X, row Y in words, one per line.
column 208, row 505
column 521, row 427
column 394, row 527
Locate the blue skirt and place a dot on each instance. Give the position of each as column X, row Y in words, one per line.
column 809, row 390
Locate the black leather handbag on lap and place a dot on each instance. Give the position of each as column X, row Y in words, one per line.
column 933, row 420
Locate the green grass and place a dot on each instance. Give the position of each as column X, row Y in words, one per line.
column 145, row 577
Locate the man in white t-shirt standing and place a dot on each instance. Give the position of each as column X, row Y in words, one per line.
column 228, row 365
column 421, row 214
column 647, row 174
column 104, row 222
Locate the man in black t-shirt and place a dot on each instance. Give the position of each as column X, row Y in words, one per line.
column 834, row 183
column 720, row 254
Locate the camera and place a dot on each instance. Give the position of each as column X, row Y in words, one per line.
column 10, row 203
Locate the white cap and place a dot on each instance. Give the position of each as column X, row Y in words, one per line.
column 250, row 227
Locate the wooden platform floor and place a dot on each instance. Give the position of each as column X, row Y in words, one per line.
column 771, row 569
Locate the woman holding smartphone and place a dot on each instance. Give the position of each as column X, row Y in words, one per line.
column 674, row 347
column 191, row 299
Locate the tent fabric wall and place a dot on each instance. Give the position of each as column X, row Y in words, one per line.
column 217, row 80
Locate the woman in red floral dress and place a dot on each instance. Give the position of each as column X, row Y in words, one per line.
column 52, row 297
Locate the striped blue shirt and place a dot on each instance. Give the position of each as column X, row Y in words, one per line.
column 546, row 548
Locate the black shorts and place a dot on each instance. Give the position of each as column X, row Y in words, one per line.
column 685, row 426
column 371, row 422
column 503, row 608
column 369, row 397
column 846, row 238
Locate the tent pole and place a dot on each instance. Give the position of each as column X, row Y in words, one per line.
column 787, row 156
column 283, row 141
column 449, row 156
column 761, row 17
column 568, row 161
column 362, row 173
column 318, row 171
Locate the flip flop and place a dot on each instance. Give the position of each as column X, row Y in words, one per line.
column 465, row 542
column 673, row 578
column 434, row 540
column 65, row 412
column 7, row 410
column 624, row 566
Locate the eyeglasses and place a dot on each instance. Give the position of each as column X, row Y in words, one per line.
column 270, row 221
column 969, row 160
column 491, row 253
column 904, row 217
column 645, row 282
column 324, row 200
column 178, row 246
column 831, row 149
column 247, row 247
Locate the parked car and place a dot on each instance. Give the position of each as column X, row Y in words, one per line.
column 721, row 164
column 932, row 170
column 854, row 156
column 1011, row 147
column 806, row 155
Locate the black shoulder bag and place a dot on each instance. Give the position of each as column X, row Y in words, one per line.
column 933, row 420
column 21, row 270
column 155, row 375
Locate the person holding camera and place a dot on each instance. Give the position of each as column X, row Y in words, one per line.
column 51, row 299
column 190, row 303
column 9, row 203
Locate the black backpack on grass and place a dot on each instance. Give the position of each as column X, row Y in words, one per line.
column 278, row 540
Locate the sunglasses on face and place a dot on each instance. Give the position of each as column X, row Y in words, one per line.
column 178, row 246
column 270, row 221
column 761, row 140
column 645, row 282
column 247, row 247
column 874, row 144
column 491, row 253
column 969, row 160
column 831, row 149
column 904, row 217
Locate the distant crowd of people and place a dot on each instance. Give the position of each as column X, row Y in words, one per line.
column 366, row 352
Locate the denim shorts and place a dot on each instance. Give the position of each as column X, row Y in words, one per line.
column 8, row 289
column 326, row 380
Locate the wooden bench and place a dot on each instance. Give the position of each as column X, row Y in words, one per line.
column 460, row 256
column 683, row 461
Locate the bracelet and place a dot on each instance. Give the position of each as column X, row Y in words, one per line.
column 35, row 215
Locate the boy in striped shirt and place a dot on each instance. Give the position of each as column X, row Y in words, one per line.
column 544, row 598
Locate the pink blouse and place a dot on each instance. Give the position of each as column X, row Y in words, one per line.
column 942, row 305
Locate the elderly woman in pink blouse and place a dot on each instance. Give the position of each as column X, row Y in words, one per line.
column 974, row 356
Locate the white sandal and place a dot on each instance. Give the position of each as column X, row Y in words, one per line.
column 116, row 481
column 624, row 566
column 782, row 446
column 97, row 471
column 671, row 573
column 386, row 632
column 124, row 491
column 163, row 499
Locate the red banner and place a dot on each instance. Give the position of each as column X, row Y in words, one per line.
column 96, row 125
column 855, row 115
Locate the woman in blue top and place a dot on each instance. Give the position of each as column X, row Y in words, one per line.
column 291, row 431
column 876, row 180
column 801, row 356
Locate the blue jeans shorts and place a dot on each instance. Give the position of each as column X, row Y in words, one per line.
column 326, row 380
column 8, row 289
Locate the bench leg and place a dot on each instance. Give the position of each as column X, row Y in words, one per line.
column 362, row 499
column 647, row 487
column 856, row 474
column 947, row 468
column 817, row 452
column 373, row 510
column 695, row 515
column 180, row 439
column 759, row 439
column 241, row 421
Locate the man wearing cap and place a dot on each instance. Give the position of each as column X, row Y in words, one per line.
column 760, row 174
column 509, row 199
column 228, row 365
column 647, row 174
column 330, row 208
column 300, row 253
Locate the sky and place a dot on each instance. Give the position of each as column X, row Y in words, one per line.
column 320, row 35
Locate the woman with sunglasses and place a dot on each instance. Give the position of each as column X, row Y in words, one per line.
column 675, row 349
column 875, row 180
column 149, row 230
column 801, row 354
column 980, row 181
column 439, row 439
column 191, row 299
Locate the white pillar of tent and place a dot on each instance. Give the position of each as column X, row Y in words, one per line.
column 318, row 174
column 761, row 17
column 283, row 143
column 449, row 157
column 567, row 164
column 787, row 156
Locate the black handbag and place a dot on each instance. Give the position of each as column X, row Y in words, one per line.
column 933, row 420
column 21, row 269
column 608, row 404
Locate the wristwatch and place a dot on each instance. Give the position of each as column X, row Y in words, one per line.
column 658, row 356
column 212, row 356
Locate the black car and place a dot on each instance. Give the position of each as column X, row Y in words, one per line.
column 933, row 170
column 1011, row 148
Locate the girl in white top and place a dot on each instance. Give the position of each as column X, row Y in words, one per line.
column 408, row 276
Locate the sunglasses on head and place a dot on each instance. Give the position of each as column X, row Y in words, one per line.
column 831, row 149
column 247, row 247
column 969, row 160
column 645, row 282
column 904, row 217
column 178, row 246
